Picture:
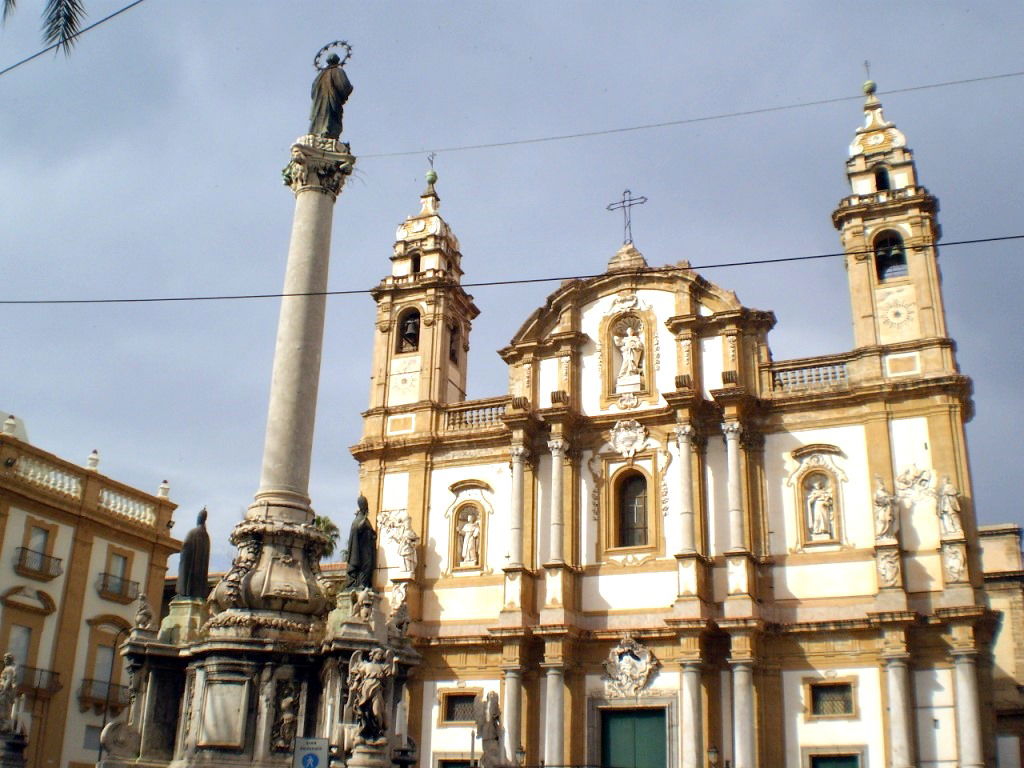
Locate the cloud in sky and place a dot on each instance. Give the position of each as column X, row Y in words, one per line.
column 148, row 163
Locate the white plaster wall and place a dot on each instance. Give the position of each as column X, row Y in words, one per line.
column 783, row 495
column 716, row 482
column 712, row 355
column 826, row 580
column 670, row 494
column 395, row 491
column 480, row 603
column 13, row 538
column 547, row 381
column 910, row 443
column 1004, row 650
column 864, row 730
column 448, row 738
column 936, row 718
column 663, row 355
column 588, row 525
column 496, row 506
column 542, row 531
column 630, row 590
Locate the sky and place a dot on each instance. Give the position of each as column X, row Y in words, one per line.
column 148, row 164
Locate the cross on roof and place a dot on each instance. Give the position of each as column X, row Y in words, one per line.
column 627, row 202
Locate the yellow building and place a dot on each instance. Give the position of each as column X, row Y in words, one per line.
column 662, row 547
column 77, row 549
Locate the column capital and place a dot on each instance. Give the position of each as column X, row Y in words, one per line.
column 318, row 164
column 732, row 430
column 684, row 433
column 519, row 452
column 558, row 446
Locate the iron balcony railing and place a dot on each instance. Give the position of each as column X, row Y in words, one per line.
column 110, row 585
column 100, row 692
column 38, row 563
column 37, row 682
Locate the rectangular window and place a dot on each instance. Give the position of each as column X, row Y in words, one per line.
column 38, row 539
column 458, row 707
column 103, row 664
column 835, row 761
column 92, row 737
column 20, row 643
column 119, row 566
column 831, row 699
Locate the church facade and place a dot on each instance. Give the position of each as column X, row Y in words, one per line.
column 662, row 547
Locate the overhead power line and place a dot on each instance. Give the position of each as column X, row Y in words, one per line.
column 75, row 36
column 493, row 283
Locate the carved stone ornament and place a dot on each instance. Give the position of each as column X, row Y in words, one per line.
column 887, row 521
column 628, row 436
column 628, row 401
column 144, row 615
column 628, row 669
column 318, row 163
column 954, row 562
column 888, row 567
column 283, row 732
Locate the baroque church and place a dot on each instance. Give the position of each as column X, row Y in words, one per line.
column 662, row 547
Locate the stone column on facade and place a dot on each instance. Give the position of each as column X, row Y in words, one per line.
column 554, row 715
column 519, row 454
column 316, row 174
column 688, row 532
column 743, row 715
column 692, row 717
column 513, row 714
column 898, row 685
column 737, row 534
column 968, row 709
column 558, row 447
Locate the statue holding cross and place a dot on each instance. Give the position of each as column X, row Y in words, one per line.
column 627, row 202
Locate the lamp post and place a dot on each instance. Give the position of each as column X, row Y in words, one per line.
column 110, row 683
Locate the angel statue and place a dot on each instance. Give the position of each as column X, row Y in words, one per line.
column 488, row 727
column 367, row 689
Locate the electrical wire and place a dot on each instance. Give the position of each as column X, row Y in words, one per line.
column 75, row 36
column 497, row 283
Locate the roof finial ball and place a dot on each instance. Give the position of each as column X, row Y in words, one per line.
column 870, row 86
column 431, row 177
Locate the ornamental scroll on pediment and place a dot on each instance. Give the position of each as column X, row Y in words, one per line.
column 628, row 669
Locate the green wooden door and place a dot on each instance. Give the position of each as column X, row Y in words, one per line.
column 835, row 761
column 633, row 738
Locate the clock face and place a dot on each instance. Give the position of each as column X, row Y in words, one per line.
column 896, row 314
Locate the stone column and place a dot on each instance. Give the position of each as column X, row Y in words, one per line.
column 554, row 716
column 897, row 682
column 519, row 454
column 692, row 717
column 968, row 710
column 513, row 713
column 558, row 447
column 316, row 173
column 743, row 715
column 688, row 533
column 737, row 535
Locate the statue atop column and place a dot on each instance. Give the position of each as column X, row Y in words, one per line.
column 194, row 565
column 362, row 549
column 331, row 90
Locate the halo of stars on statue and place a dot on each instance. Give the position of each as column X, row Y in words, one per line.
column 627, row 202
column 336, row 44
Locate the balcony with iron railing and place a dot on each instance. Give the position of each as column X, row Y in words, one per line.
column 37, row 565
column 100, row 693
column 37, row 683
column 117, row 588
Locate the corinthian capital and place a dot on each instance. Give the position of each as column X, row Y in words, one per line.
column 519, row 452
column 684, row 434
column 319, row 164
column 732, row 430
column 558, row 446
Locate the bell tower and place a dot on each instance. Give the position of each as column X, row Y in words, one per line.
column 889, row 231
column 423, row 322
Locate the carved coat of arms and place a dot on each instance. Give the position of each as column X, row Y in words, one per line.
column 628, row 436
column 628, row 668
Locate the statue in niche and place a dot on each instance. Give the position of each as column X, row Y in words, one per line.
column 487, row 715
column 331, row 90
column 469, row 538
column 885, row 511
column 367, row 686
column 820, row 507
column 144, row 615
column 949, row 508
column 631, row 347
column 194, row 565
column 284, row 728
column 362, row 548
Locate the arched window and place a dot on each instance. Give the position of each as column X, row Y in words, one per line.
column 409, row 331
column 890, row 257
column 631, row 501
column 414, row 263
column 881, row 178
column 453, row 343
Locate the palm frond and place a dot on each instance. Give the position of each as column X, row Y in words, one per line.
column 62, row 19
column 8, row 7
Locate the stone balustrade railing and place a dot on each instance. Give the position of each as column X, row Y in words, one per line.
column 788, row 377
column 475, row 414
column 49, row 476
column 128, row 506
column 882, row 196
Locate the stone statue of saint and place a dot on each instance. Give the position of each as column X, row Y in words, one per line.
column 367, row 691
column 819, row 507
column 488, row 727
column 194, row 565
column 331, row 90
column 362, row 549
column 144, row 615
column 407, row 547
column 949, row 508
column 632, row 348
column 885, row 517
column 470, row 540
column 8, row 694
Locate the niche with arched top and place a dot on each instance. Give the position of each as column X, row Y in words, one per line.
column 890, row 256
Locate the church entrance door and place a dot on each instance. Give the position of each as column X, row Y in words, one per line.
column 633, row 738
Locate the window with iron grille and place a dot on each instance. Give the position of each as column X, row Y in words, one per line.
column 831, row 699
column 458, row 707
